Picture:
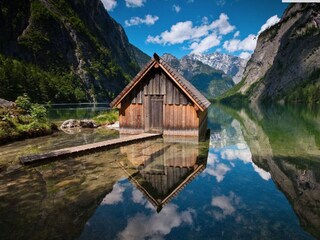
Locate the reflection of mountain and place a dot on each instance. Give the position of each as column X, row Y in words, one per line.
column 165, row 167
column 286, row 143
column 227, row 146
column 54, row 201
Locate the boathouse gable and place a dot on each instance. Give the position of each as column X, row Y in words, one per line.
column 158, row 99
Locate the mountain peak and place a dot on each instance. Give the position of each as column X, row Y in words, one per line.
column 230, row 65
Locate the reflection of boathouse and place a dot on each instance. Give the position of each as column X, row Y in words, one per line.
column 164, row 169
column 159, row 99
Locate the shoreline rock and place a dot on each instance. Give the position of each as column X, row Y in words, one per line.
column 6, row 103
column 74, row 123
column 114, row 125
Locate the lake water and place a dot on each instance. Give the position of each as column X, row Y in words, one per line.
column 257, row 177
column 59, row 112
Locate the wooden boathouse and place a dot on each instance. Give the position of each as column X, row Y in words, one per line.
column 159, row 99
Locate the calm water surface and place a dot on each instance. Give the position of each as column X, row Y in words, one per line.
column 59, row 112
column 257, row 177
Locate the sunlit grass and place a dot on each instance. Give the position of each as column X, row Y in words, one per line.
column 108, row 117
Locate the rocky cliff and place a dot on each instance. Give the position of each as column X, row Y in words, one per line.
column 208, row 80
column 79, row 51
column 285, row 65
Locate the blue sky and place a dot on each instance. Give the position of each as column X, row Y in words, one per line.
column 195, row 26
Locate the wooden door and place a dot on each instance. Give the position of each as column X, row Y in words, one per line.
column 156, row 113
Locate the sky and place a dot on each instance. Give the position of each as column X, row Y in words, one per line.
column 182, row 27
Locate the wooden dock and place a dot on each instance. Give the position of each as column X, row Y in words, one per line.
column 65, row 152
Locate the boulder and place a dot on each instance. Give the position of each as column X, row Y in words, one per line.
column 87, row 123
column 71, row 123
column 5, row 103
column 113, row 125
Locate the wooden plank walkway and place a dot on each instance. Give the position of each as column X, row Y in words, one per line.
column 86, row 148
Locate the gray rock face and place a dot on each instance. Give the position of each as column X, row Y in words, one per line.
column 285, row 56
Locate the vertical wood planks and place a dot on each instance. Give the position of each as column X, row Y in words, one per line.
column 147, row 113
column 156, row 102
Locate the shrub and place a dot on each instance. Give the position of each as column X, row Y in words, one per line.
column 38, row 112
column 23, row 102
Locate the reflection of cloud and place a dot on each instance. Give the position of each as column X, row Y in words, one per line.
column 212, row 158
column 263, row 174
column 226, row 204
column 218, row 171
column 238, row 152
column 115, row 196
column 137, row 197
column 215, row 169
column 157, row 225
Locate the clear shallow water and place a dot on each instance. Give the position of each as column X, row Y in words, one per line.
column 257, row 178
column 60, row 112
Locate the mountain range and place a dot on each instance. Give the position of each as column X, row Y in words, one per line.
column 285, row 65
column 73, row 51
column 63, row 51
column 213, row 74
column 230, row 65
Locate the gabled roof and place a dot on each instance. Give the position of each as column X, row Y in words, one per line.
column 183, row 84
column 149, row 192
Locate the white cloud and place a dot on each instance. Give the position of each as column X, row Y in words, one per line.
column 205, row 44
column 236, row 34
column 245, row 55
column 115, row 196
column 202, row 37
column 250, row 42
column 148, row 20
column 176, row 8
column 178, row 33
column 135, row 3
column 247, row 44
column 156, row 225
column 222, row 24
column 231, row 45
column 270, row 22
column 190, row 1
column 109, row 5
